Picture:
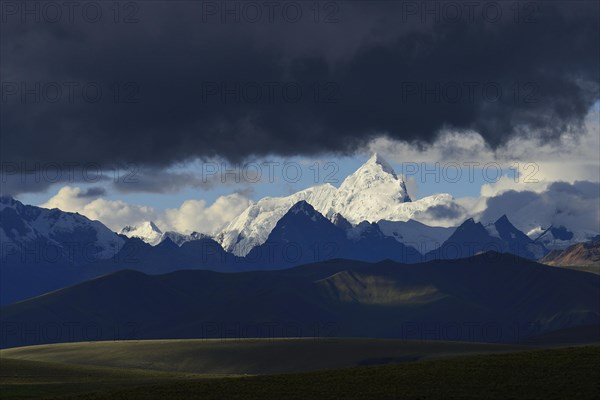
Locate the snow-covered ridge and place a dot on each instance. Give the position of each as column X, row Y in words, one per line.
column 423, row 237
column 252, row 227
column 559, row 237
column 22, row 224
column 372, row 193
column 150, row 233
column 181, row 238
column 147, row 231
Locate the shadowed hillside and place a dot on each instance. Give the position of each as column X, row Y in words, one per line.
column 491, row 298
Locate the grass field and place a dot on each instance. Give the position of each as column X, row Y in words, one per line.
column 545, row 374
column 254, row 356
column 22, row 379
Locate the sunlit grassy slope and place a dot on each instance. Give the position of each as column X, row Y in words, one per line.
column 254, row 356
column 540, row 374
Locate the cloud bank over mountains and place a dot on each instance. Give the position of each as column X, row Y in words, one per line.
column 499, row 82
column 192, row 215
column 572, row 205
column 373, row 69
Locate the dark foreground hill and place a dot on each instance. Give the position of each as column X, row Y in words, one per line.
column 488, row 298
column 249, row 356
column 541, row 374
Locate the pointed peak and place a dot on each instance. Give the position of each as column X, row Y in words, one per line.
column 152, row 226
column 503, row 219
column 338, row 220
column 469, row 221
column 303, row 210
column 376, row 159
column 302, row 207
column 166, row 242
column 504, row 223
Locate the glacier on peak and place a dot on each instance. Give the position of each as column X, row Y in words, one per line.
column 148, row 231
column 22, row 225
column 252, row 227
column 372, row 193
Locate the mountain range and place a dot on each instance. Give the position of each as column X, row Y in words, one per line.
column 373, row 193
column 368, row 218
column 68, row 237
column 302, row 235
column 490, row 297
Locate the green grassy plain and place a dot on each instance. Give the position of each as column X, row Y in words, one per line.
column 559, row 373
column 247, row 356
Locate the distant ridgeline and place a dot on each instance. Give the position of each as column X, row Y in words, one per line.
column 370, row 217
column 44, row 250
column 471, row 283
column 491, row 297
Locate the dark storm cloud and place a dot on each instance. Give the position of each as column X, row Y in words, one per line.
column 157, row 180
column 561, row 204
column 92, row 192
column 583, row 189
column 178, row 84
column 446, row 211
column 26, row 176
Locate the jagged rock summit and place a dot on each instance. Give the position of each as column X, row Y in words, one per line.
column 147, row 231
column 374, row 192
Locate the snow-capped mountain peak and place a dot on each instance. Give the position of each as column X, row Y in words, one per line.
column 252, row 227
column 181, row 238
column 148, row 231
column 374, row 192
column 370, row 192
column 377, row 174
column 83, row 239
column 377, row 160
column 302, row 207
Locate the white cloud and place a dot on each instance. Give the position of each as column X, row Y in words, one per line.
column 113, row 213
column 573, row 157
column 505, row 184
column 573, row 205
column 67, row 199
column 192, row 215
column 116, row 213
column 555, row 185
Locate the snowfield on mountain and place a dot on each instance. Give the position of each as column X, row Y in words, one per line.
column 373, row 193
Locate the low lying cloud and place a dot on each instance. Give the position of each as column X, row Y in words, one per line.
column 192, row 215
column 574, row 206
column 196, row 215
column 452, row 211
column 113, row 213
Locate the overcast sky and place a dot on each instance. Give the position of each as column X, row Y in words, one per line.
column 135, row 110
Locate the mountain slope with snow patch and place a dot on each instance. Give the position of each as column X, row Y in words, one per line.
column 147, row 231
column 373, row 193
column 78, row 237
